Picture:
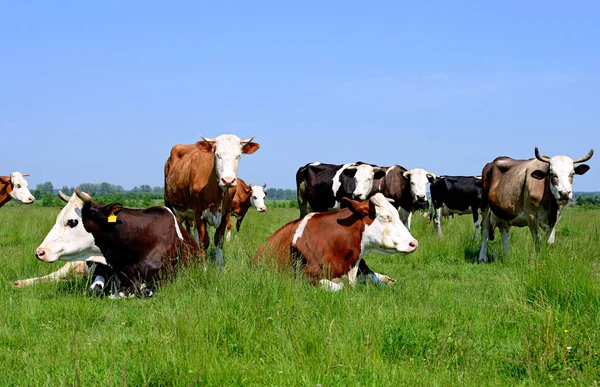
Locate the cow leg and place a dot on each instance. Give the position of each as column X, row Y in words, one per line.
column 331, row 285
column 69, row 267
column 505, row 231
column 485, row 234
column 101, row 274
column 229, row 227
column 405, row 217
column 551, row 235
column 218, row 241
column 238, row 224
column 437, row 220
column 201, row 234
column 476, row 222
column 536, row 235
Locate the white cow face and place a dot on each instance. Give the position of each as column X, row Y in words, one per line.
column 20, row 191
column 419, row 179
column 228, row 150
column 560, row 173
column 387, row 234
column 68, row 240
column 257, row 198
column 364, row 175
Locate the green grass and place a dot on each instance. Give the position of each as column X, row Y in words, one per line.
column 521, row 320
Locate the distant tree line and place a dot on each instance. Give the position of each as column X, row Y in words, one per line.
column 142, row 196
column 588, row 201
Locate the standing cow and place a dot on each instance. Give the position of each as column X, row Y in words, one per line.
column 526, row 193
column 350, row 233
column 407, row 189
column 321, row 187
column 245, row 196
column 15, row 187
column 455, row 195
column 140, row 245
column 200, row 184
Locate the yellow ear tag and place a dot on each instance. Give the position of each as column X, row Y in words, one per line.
column 112, row 218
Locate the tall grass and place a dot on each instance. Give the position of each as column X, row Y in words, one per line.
column 522, row 319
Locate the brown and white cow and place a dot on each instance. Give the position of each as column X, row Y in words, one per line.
column 526, row 193
column 330, row 245
column 407, row 189
column 15, row 187
column 245, row 196
column 200, row 184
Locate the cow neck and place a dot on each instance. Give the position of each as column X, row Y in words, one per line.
column 5, row 190
column 552, row 204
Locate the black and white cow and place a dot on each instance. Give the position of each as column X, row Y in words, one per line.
column 458, row 195
column 321, row 187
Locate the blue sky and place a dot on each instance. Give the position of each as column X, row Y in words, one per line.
column 100, row 91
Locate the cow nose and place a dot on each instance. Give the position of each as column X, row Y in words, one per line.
column 413, row 244
column 40, row 254
column 421, row 198
column 31, row 199
column 228, row 181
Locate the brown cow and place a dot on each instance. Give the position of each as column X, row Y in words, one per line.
column 200, row 184
column 526, row 193
column 15, row 187
column 329, row 245
column 245, row 196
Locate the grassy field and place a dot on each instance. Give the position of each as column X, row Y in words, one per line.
column 521, row 320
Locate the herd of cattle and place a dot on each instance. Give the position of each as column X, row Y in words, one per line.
column 136, row 248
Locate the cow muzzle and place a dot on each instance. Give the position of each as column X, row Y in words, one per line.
column 41, row 254
column 228, row 182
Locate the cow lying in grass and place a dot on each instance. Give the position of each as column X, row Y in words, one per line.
column 329, row 245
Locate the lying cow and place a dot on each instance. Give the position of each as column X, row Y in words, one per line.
column 321, row 187
column 455, row 195
column 140, row 245
column 15, row 187
column 529, row 193
column 245, row 196
column 330, row 245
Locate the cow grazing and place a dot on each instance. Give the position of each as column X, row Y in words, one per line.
column 526, row 193
column 455, row 195
column 140, row 245
column 245, row 196
column 329, row 245
column 15, row 187
column 407, row 189
column 200, row 184
column 321, row 187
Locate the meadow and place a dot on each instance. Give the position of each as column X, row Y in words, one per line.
column 521, row 320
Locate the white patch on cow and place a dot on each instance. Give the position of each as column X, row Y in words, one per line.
column 352, row 273
column 20, row 191
column 177, row 230
column 386, row 234
column 257, row 198
column 228, row 151
column 561, row 168
column 315, row 163
column 301, row 227
column 68, row 240
column 418, row 184
column 364, row 181
column 213, row 219
column 336, row 179
column 330, row 285
column 98, row 280
column 228, row 236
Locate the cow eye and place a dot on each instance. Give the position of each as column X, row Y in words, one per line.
column 18, row 185
column 72, row 222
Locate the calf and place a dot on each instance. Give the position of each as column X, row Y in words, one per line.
column 245, row 196
column 352, row 232
column 456, row 195
column 15, row 187
column 141, row 245
column 321, row 187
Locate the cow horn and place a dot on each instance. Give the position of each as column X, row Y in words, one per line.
column 83, row 196
column 64, row 197
column 250, row 185
column 432, row 175
column 545, row 159
column 208, row 139
column 265, row 185
column 247, row 141
column 580, row 160
column 27, row 174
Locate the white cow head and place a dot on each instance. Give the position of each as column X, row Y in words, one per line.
column 258, row 195
column 19, row 190
column 560, row 174
column 228, row 150
column 363, row 175
column 68, row 240
column 386, row 234
column 419, row 178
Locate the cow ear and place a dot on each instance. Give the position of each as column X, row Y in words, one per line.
column 349, row 172
column 359, row 208
column 206, row 146
column 248, row 190
column 113, row 209
column 250, row 147
column 5, row 179
column 379, row 173
column 431, row 178
column 265, row 192
column 539, row 174
column 581, row 169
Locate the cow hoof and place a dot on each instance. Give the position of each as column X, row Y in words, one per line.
column 147, row 292
column 387, row 280
column 95, row 291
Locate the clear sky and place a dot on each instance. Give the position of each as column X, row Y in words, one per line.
column 101, row 91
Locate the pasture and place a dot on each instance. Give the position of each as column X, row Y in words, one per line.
column 521, row 320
